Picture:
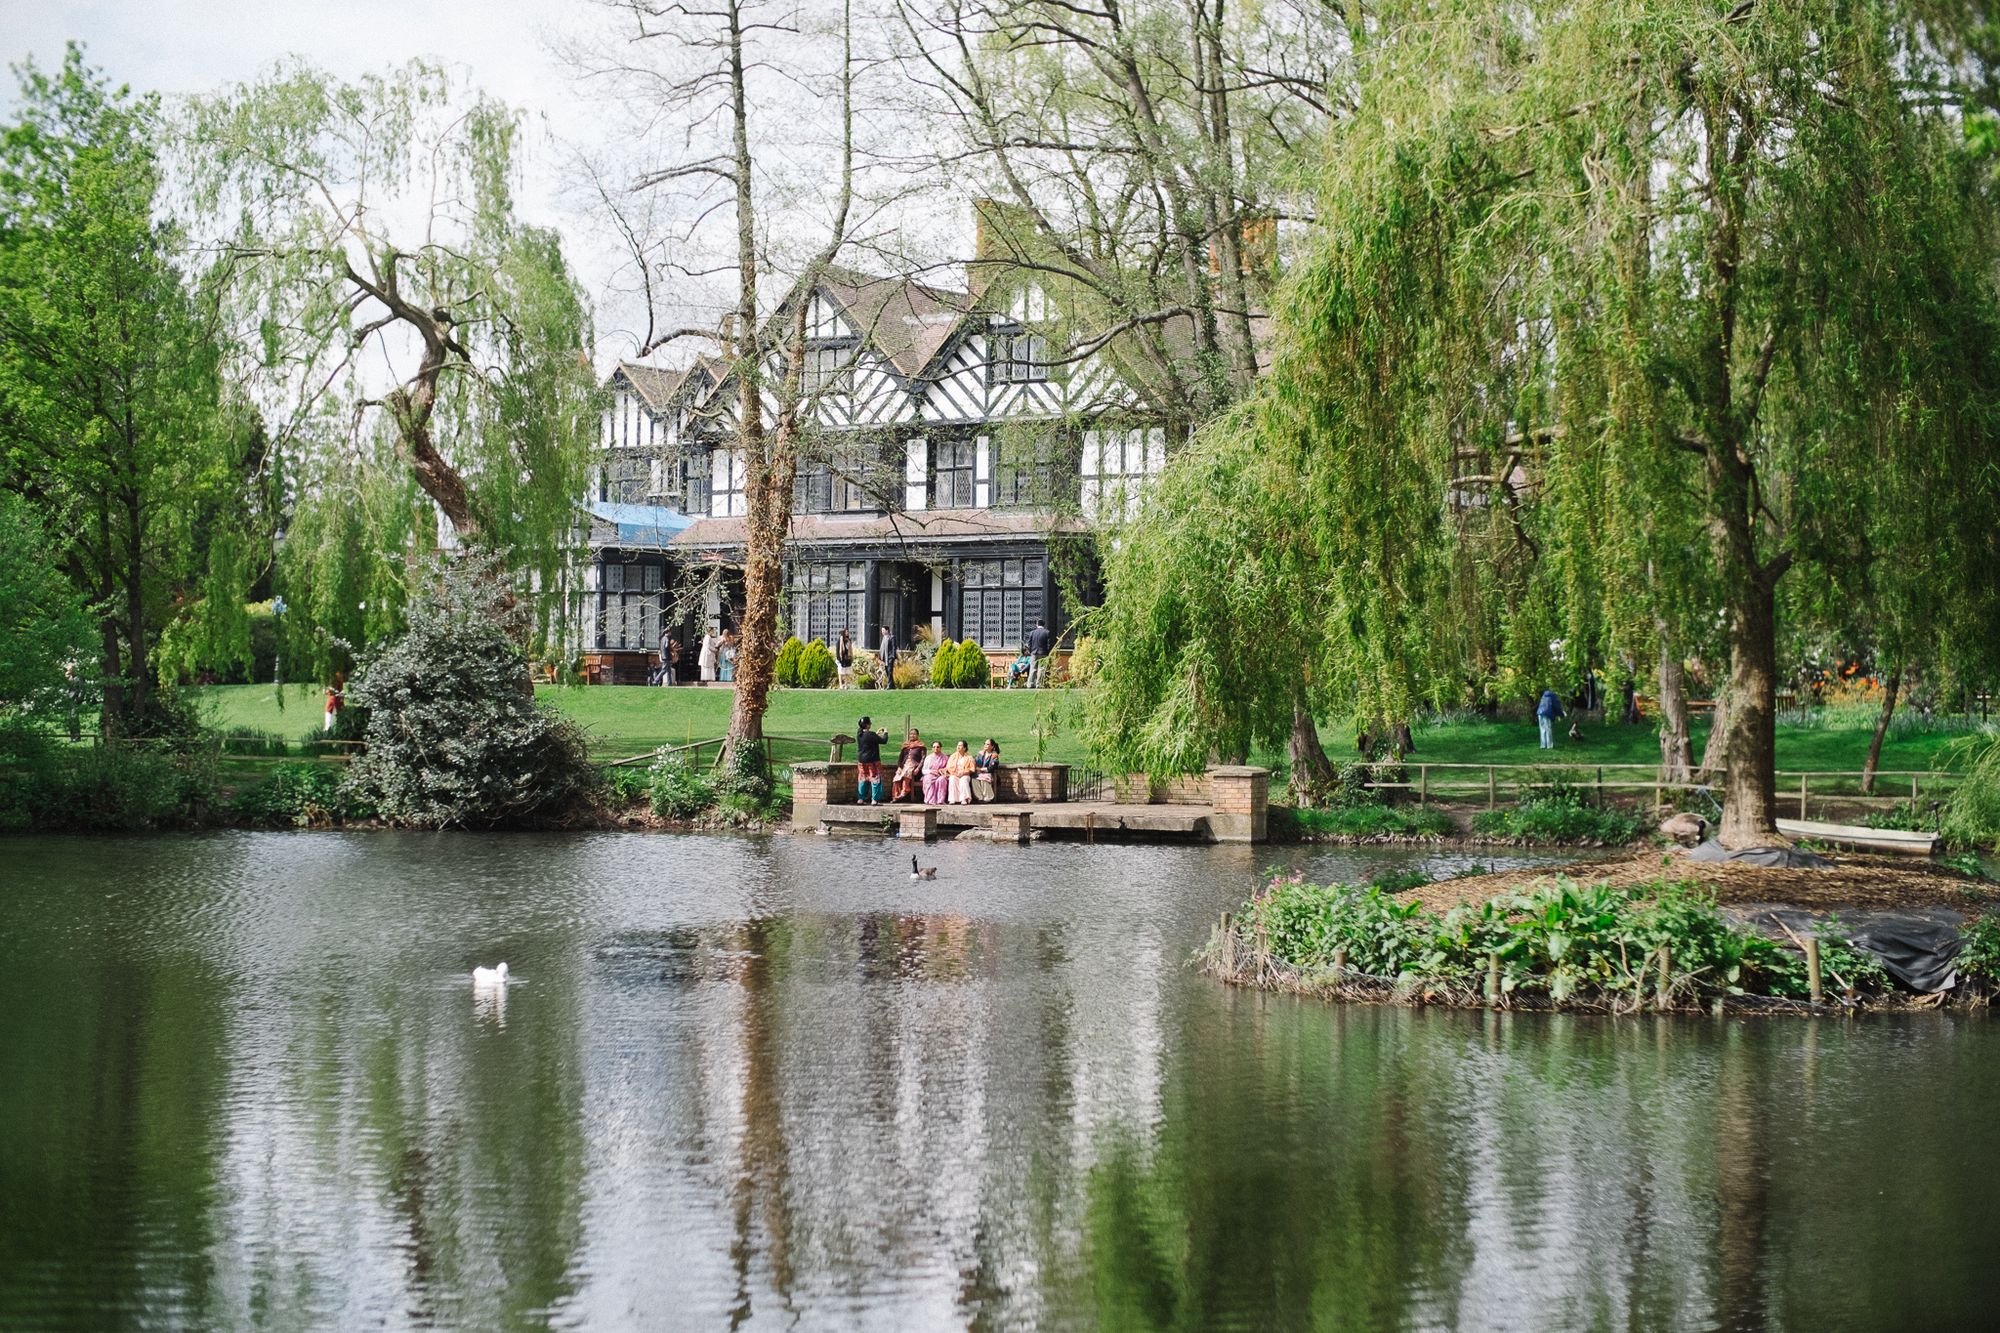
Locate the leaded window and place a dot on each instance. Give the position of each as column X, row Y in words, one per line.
column 1031, row 471
column 1018, row 357
column 1000, row 601
column 825, row 597
column 624, row 477
column 953, row 467
column 825, row 363
column 1116, row 465
column 630, row 598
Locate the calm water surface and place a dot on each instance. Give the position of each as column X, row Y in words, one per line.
column 244, row 1082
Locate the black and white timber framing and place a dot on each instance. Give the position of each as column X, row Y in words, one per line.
column 958, row 454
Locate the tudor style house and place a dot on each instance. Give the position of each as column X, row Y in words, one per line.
column 958, row 459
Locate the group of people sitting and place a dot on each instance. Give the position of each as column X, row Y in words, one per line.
column 923, row 772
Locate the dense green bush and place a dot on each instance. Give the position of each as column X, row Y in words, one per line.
column 1972, row 815
column 975, row 670
column 1979, row 948
column 299, row 795
column 1559, row 938
column 677, row 789
column 960, row 666
column 785, row 671
column 1375, row 821
column 626, row 785
column 816, row 669
column 455, row 737
column 121, row 787
column 1559, row 817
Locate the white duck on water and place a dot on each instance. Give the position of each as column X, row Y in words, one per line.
column 490, row 976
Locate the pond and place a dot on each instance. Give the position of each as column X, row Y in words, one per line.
column 772, row 1083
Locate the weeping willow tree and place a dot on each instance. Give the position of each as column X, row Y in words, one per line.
column 1619, row 315
column 411, row 334
column 1208, row 624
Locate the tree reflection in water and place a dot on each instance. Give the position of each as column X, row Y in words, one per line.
column 759, row 1083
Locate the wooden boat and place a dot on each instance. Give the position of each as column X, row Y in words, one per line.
column 1894, row 841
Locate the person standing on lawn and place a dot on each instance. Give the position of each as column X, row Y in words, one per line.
column 1546, row 713
column 709, row 656
column 843, row 656
column 887, row 652
column 868, row 763
column 1038, row 655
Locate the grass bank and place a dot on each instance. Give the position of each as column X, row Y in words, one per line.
column 1642, row 934
column 630, row 719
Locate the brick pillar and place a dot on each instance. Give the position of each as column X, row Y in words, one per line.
column 817, row 785
column 1240, row 795
column 917, row 821
column 1010, row 826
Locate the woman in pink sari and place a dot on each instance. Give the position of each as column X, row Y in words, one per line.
column 935, row 781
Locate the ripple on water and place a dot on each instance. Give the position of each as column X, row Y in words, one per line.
column 772, row 1081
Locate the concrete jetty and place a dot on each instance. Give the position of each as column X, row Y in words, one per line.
column 1227, row 803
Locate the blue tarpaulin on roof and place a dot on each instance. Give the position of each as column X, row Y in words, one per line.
column 640, row 525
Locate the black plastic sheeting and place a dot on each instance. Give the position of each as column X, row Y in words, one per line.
column 1790, row 858
column 1917, row 946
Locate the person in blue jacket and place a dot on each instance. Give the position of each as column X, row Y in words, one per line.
column 1546, row 713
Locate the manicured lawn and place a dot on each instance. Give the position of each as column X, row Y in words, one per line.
column 625, row 720
column 629, row 719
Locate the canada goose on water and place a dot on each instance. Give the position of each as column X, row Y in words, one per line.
column 921, row 872
column 490, row 976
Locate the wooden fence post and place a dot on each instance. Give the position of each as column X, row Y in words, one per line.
column 1423, row 784
column 1490, row 788
column 1339, row 965
column 1812, row 967
column 1803, row 779
column 1660, row 993
column 1493, row 979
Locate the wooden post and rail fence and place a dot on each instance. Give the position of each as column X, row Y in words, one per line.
column 1431, row 781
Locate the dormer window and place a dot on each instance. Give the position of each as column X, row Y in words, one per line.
column 1019, row 357
column 1016, row 353
column 825, row 363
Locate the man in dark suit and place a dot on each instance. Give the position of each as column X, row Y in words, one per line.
column 888, row 655
column 1038, row 655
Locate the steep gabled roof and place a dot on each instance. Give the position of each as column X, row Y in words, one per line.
column 907, row 321
column 655, row 385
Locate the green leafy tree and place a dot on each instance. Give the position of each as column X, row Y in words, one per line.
column 44, row 630
column 1615, row 282
column 112, row 415
column 373, row 223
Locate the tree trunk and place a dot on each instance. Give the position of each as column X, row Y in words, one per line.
column 137, row 660
column 1312, row 771
column 1889, row 692
column 438, row 479
column 1676, row 745
column 1718, row 729
column 111, row 714
column 763, row 588
column 770, row 510
column 1750, row 806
